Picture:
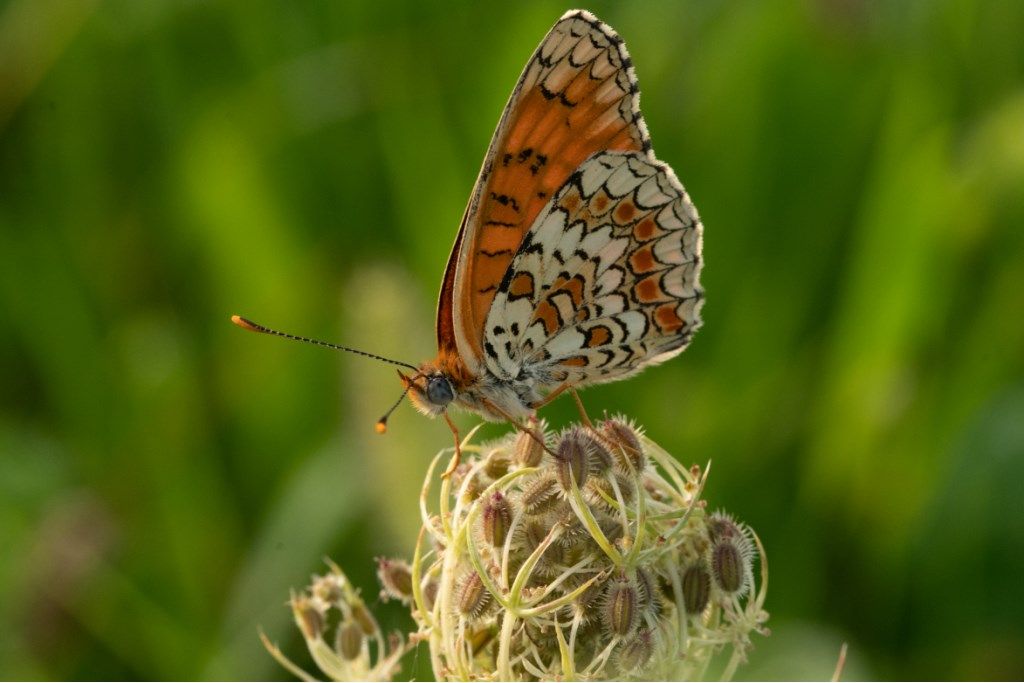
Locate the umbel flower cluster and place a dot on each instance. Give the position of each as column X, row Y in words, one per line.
column 583, row 554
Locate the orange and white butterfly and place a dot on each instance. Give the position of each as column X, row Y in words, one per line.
column 579, row 254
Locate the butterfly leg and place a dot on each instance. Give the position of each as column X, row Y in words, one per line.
column 584, row 418
column 523, row 428
column 552, row 396
column 457, row 458
column 566, row 386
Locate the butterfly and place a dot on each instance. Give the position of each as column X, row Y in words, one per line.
column 578, row 257
column 579, row 254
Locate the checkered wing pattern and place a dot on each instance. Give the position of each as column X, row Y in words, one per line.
column 606, row 281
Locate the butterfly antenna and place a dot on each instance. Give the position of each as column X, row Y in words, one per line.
column 247, row 324
column 382, row 424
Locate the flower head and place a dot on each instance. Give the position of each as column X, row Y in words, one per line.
column 597, row 559
column 588, row 554
column 339, row 631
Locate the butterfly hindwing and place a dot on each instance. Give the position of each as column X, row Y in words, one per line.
column 606, row 282
column 576, row 97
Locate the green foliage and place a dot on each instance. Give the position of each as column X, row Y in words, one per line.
column 165, row 477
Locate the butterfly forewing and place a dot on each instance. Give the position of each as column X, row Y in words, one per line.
column 577, row 96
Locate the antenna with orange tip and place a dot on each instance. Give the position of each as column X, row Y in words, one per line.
column 382, row 423
column 245, row 324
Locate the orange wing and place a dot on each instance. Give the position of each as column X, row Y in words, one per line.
column 577, row 96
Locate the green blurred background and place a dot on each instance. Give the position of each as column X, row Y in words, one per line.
column 859, row 383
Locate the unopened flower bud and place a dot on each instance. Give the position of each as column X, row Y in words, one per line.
column 497, row 464
column 349, row 640
column 647, row 588
column 573, row 531
column 611, row 528
column 696, row 588
column 722, row 527
column 540, row 495
column 429, row 587
column 573, row 460
column 308, row 617
column 728, row 567
column 327, row 589
column 473, row 597
column 625, row 444
column 474, row 487
column 497, row 519
column 636, row 652
column 395, row 579
column 366, row 621
column 731, row 553
column 529, row 448
column 620, row 612
column 600, row 458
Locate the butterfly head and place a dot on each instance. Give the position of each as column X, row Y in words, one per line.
column 438, row 383
column 430, row 390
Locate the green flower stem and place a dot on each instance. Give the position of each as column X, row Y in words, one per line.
column 527, row 569
column 641, row 525
column 288, row 664
column 585, row 516
column 425, row 515
column 485, row 576
column 506, row 549
column 568, row 664
column 417, row 580
column 599, row 660
column 620, row 501
column 446, row 593
column 669, row 464
column 557, row 582
column 464, row 537
column 564, row 600
column 682, row 635
column 612, row 502
column 505, row 647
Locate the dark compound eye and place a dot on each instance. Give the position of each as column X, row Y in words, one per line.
column 439, row 390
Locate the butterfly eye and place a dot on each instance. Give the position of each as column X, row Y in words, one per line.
column 439, row 390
